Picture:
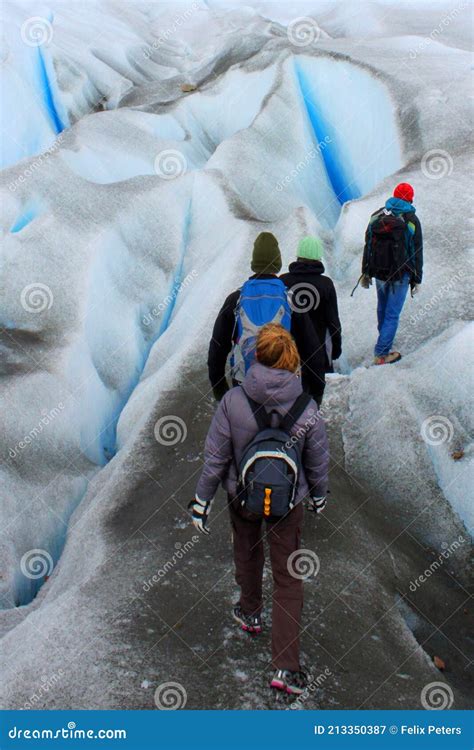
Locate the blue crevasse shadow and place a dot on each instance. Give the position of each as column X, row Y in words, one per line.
column 58, row 119
column 25, row 218
column 48, row 96
column 337, row 174
column 109, row 435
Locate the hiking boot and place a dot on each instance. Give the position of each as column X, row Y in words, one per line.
column 294, row 683
column 249, row 623
column 388, row 359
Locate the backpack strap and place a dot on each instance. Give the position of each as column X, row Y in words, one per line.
column 262, row 417
column 295, row 412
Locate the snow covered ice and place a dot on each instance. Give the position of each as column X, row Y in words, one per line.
column 128, row 210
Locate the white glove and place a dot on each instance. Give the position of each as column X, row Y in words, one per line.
column 317, row 504
column 200, row 510
column 415, row 289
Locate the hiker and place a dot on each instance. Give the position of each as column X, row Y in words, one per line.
column 393, row 255
column 315, row 293
column 262, row 299
column 267, row 472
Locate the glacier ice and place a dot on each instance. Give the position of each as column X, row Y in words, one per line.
column 113, row 268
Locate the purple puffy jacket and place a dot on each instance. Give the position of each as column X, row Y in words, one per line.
column 234, row 425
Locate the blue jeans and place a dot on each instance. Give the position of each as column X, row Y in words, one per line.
column 390, row 300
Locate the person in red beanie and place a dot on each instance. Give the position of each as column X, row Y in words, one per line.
column 404, row 191
column 393, row 255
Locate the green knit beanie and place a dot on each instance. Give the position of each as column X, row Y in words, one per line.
column 266, row 257
column 310, row 248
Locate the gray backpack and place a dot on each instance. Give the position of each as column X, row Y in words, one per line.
column 270, row 468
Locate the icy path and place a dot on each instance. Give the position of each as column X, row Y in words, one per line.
column 156, row 605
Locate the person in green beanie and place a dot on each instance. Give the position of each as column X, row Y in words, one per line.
column 262, row 299
column 314, row 293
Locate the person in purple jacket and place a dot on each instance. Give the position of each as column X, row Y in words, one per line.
column 272, row 381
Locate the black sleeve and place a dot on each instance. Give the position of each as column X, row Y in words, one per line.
column 365, row 257
column 221, row 343
column 311, row 351
column 333, row 323
column 418, row 251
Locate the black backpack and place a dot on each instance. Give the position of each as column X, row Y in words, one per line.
column 270, row 468
column 387, row 246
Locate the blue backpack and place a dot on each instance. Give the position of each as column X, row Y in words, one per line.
column 261, row 301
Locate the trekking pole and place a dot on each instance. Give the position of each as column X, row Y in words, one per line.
column 358, row 282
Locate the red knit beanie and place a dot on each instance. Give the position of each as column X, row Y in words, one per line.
column 404, row 191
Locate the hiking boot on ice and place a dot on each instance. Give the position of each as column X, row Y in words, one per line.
column 293, row 683
column 388, row 359
column 249, row 623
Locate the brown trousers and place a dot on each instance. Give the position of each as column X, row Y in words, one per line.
column 284, row 537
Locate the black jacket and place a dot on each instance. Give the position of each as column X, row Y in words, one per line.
column 223, row 336
column 324, row 315
column 414, row 264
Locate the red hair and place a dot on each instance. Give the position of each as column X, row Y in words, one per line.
column 276, row 348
